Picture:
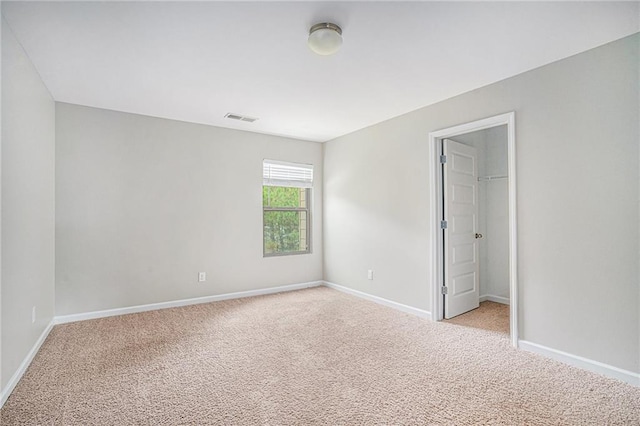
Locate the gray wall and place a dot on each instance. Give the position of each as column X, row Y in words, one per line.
column 28, row 149
column 143, row 204
column 578, row 218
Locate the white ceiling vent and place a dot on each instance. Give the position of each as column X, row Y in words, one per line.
column 240, row 117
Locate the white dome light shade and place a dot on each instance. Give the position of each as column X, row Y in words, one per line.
column 325, row 38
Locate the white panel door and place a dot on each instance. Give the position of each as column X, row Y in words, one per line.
column 461, row 268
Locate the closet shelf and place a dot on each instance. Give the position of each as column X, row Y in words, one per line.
column 487, row 178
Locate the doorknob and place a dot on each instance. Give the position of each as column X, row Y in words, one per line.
column 478, row 235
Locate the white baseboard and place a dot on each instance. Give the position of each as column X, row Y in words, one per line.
column 395, row 305
column 580, row 362
column 25, row 364
column 492, row 298
column 63, row 319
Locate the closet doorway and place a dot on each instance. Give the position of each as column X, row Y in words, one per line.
column 474, row 264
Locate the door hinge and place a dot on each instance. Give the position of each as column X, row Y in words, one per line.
column 443, row 159
column 445, row 290
column 443, row 224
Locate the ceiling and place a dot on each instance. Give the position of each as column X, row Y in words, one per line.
column 197, row 61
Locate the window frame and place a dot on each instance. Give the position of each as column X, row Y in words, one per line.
column 307, row 209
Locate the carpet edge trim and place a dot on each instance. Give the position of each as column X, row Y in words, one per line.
column 64, row 319
column 26, row 362
column 380, row 300
column 584, row 363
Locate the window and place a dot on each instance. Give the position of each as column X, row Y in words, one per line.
column 286, row 207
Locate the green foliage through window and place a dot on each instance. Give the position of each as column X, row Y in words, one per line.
column 281, row 196
column 286, row 220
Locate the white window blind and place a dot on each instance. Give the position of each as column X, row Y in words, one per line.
column 279, row 173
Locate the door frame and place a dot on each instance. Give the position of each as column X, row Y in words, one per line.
column 436, row 199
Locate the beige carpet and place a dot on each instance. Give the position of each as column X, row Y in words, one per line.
column 489, row 316
column 308, row 357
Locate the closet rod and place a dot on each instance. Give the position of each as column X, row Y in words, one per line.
column 481, row 178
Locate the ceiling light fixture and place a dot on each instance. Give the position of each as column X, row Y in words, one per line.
column 325, row 38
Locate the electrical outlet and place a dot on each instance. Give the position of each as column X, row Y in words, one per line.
column 33, row 315
column 370, row 274
column 202, row 276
